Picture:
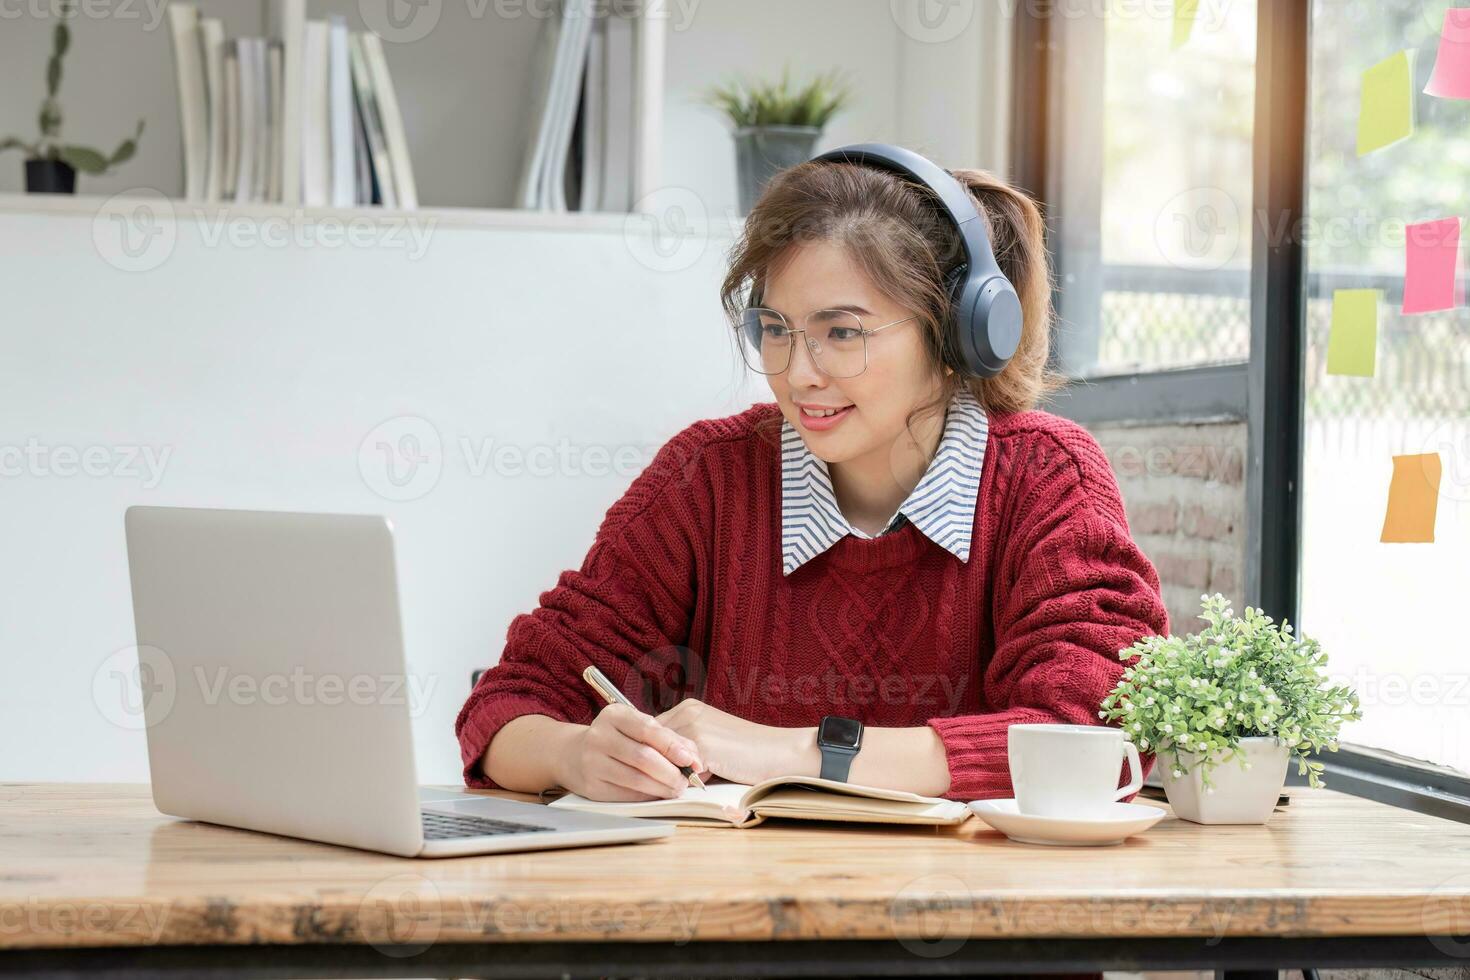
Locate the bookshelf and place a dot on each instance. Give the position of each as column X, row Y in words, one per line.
column 462, row 87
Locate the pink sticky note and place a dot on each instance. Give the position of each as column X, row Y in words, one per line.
column 1451, row 78
column 1430, row 282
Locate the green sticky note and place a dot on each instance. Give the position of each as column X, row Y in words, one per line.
column 1353, row 343
column 1386, row 113
column 1184, row 13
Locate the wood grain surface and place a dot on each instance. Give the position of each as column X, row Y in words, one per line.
column 97, row 865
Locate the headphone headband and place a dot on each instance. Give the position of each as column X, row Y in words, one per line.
column 985, row 326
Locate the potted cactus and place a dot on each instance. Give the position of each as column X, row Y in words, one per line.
column 775, row 126
column 1243, row 690
column 51, row 166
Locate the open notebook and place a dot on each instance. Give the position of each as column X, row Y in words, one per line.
column 799, row 797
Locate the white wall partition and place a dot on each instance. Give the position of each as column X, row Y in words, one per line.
column 530, row 364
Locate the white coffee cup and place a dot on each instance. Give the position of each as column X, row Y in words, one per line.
column 1070, row 770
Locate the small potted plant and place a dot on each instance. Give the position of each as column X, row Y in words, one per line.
column 1242, row 690
column 51, row 166
column 776, row 126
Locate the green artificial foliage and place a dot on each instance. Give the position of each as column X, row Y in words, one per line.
column 1239, row 677
column 749, row 103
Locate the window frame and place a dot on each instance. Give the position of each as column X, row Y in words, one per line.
column 1269, row 385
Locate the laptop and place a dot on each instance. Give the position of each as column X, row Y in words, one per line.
column 276, row 696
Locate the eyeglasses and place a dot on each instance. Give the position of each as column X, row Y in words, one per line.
column 836, row 340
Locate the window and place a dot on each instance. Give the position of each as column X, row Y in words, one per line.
column 1317, row 218
column 1149, row 185
column 1388, row 615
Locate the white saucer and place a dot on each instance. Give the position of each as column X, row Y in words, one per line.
column 1122, row 821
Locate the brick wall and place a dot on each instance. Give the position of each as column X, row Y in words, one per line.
column 1184, row 489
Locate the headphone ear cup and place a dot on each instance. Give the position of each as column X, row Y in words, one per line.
column 991, row 327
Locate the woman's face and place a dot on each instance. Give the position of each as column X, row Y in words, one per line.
column 876, row 403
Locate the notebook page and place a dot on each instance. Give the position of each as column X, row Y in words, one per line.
column 800, row 802
column 817, row 784
column 716, row 799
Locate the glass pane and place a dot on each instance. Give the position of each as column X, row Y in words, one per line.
column 1151, row 186
column 1386, row 614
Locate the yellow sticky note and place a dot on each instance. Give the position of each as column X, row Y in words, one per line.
column 1386, row 112
column 1413, row 496
column 1184, row 14
column 1352, row 346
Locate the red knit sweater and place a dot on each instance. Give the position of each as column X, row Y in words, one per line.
column 682, row 595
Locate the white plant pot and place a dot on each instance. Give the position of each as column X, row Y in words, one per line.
column 1240, row 795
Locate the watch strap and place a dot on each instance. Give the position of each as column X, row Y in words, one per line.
column 836, row 762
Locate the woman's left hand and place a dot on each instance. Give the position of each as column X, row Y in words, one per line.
column 733, row 748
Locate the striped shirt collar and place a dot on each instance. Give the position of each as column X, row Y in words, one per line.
column 942, row 506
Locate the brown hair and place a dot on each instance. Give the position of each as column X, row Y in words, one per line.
column 897, row 233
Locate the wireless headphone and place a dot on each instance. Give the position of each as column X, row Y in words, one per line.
column 984, row 326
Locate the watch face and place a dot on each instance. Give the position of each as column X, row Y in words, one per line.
column 841, row 732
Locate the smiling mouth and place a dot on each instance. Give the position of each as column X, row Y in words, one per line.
column 821, row 419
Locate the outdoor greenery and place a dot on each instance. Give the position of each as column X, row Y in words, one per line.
column 1181, row 121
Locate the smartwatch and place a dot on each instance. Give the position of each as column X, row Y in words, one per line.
column 839, row 739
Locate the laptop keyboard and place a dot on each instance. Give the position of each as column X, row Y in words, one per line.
column 439, row 826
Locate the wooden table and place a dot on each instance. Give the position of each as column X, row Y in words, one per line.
column 93, row 879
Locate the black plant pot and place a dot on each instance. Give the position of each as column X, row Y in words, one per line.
column 50, row 177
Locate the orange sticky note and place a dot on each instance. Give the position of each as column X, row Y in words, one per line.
column 1413, row 497
column 1431, row 266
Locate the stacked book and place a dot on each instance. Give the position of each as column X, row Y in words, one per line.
column 307, row 116
column 594, row 113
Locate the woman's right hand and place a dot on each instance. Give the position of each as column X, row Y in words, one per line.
column 625, row 756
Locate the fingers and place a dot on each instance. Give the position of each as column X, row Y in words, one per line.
column 648, row 761
column 632, row 783
column 648, row 730
column 618, row 735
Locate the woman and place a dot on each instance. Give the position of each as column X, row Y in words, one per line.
column 890, row 542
